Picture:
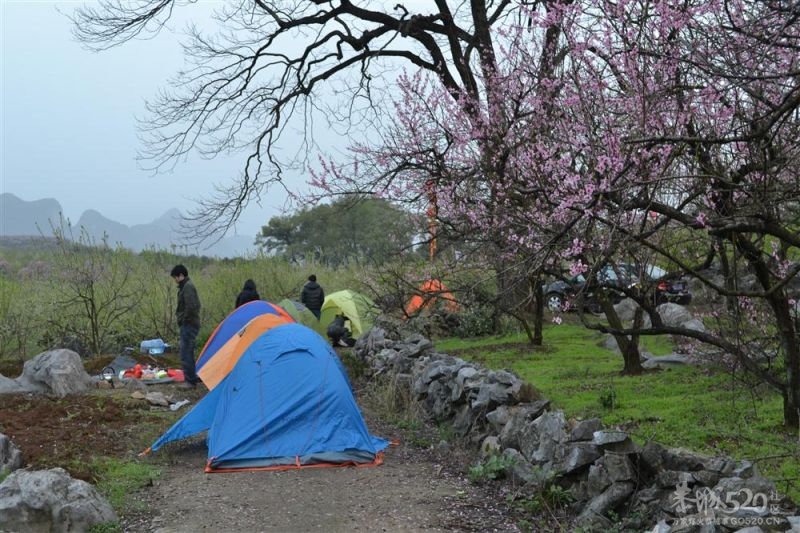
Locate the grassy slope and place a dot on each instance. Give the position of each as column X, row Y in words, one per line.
column 704, row 410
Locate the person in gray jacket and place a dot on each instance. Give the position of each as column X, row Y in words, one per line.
column 312, row 295
column 188, row 316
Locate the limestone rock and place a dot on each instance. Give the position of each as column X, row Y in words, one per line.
column 50, row 500
column 57, row 371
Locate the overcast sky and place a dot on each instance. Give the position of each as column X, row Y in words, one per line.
column 68, row 121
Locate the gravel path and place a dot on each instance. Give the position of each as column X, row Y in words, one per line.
column 416, row 489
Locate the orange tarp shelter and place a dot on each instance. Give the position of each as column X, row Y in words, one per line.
column 430, row 293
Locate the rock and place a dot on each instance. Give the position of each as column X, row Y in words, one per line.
column 625, row 309
column 9, row 386
column 543, row 437
column 157, row 398
column 610, row 343
column 661, row 527
column 673, row 314
column 513, row 432
column 694, row 324
column 594, row 514
column 136, row 385
column 737, row 489
column 576, row 455
column 601, row 438
column 490, row 446
column 666, row 361
column 499, row 418
column 620, row 467
column 50, row 500
column 10, row 456
column 57, row 371
column 521, row 471
column 598, row 479
column 585, row 429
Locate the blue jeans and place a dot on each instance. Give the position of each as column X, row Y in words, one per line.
column 316, row 312
column 188, row 341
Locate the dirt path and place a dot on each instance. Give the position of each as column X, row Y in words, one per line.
column 416, row 489
column 422, row 486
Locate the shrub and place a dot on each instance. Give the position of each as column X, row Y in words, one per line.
column 493, row 467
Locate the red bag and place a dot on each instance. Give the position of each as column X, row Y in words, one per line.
column 175, row 374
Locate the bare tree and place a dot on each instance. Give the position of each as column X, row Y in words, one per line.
column 267, row 63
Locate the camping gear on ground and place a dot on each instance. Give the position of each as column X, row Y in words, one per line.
column 151, row 375
column 358, row 308
column 302, row 314
column 153, row 346
column 431, row 292
column 233, row 323
column 286, row 404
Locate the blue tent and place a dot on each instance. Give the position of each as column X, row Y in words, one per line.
column 286, row 404
column 234, row 322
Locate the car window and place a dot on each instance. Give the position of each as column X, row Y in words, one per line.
column 656, row 272
column 607, row 273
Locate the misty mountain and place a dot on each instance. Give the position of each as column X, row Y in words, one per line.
column 21, row 218
column 18, row 217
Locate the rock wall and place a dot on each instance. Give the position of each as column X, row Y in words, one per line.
column 615, row 482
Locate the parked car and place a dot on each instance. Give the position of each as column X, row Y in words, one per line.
column 666, row 287
column 559, row 292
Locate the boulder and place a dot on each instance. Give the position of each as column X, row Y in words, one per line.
column 673, row 314
column 58, row 371
column 50, row 500
column 9, row 386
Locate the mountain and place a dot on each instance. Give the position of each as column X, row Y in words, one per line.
column 19, row 217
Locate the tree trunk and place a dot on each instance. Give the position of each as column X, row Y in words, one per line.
column 791, row 346
column 538, row 312
column 629, row 346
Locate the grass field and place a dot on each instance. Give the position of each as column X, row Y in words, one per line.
column 706, row 410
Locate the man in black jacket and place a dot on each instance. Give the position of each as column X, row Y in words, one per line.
column 188, row 315
column 338, row 333
column 313, row 296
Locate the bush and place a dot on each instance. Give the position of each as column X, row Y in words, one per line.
column 475, row 321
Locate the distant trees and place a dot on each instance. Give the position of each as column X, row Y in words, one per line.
column 347, row 231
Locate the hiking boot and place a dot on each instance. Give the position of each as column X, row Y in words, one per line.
column 187, row 385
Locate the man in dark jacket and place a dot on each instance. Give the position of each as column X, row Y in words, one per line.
column 313, row 296
column 188, row 315
column 248, row 294
column 338, row 333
